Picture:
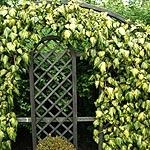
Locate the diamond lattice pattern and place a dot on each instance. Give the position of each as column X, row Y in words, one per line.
column 53, row 90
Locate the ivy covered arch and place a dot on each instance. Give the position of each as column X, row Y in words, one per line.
column 120, row 55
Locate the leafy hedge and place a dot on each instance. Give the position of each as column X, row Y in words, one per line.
column 120, row 55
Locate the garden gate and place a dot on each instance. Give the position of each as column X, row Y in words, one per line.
column 53, row 90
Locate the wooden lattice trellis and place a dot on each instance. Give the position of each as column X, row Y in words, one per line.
column 53, row 90
column 64, row 121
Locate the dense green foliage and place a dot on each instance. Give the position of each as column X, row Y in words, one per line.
column 119, row 53
column 54, row 143
column 135, row 10
column 8, row 2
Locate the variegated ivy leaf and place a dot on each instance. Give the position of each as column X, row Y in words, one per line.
column 5, row 59
column 2, row 72
column 109, row 23
column 88, row 33
column 93, row 41
column 35, row 37
column 1, row 48
column 11, row 133
column 99, row 114
column 12, row 12
column 96, row 122
column 24, row 34
column 3, row 11
column 102, row 67
column 11, row 46
column 97, row 84
column 13, row 36
column 116, row 63
column 6, row 32
column 134, row 71
column 67, row 34
column 72, row 26
column 101, row 53
column 19, row 51
column 144, row 65
column 121, row 30
column 25, row 57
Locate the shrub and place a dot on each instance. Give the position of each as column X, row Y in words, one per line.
column 54, row 143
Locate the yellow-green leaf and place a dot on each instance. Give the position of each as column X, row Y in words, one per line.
column 97, row 84
column 93, row 41
column 96, row 61
column 5, row 59
column 116, row 63
column 99, row 114
column 11, row 133
column 126, row 132
column 101, row 53
column 18, row 60
column 141, row 116
column 96, row 132
column 14, row 29
column 121, row 31
column 25, row 58
column 142, row 53
column 2, row 72
column 134, row 71
column 13, row 68
column 6, row 32
column 67, row 34
column 13, row 122
column 102, row 67
column 109, row 23
column 73, row 26
column 11, row 46
column 144, row 65
column 19, row 51
column 3, row 12
column 141, row 40
column 96, row 122
column 88, row 33
column 1, row 48
column 12, row 12
column 109, row 91
column 16, row 91
column 13, row 36
column 24, row 34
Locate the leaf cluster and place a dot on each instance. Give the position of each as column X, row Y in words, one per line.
column 54, row 143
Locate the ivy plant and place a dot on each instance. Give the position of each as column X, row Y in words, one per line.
column 119, row 53
column 136, row 10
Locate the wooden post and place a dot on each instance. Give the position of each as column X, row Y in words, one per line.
column 33, row 118
column 100, row 132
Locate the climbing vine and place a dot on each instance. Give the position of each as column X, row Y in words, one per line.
column 120, row 55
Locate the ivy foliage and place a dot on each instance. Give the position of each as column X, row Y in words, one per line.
column 120, row 55
column 136, row 10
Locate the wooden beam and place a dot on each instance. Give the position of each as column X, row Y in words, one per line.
column 58, row 119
